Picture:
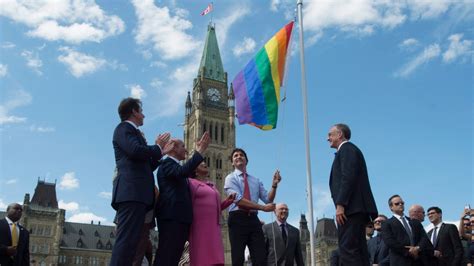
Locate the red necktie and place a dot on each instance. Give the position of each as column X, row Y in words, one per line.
column 246, row 187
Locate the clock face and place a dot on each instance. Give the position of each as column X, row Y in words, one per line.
column 213, row 94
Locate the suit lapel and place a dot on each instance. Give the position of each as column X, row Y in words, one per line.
column 280, row 246
column 440, row 231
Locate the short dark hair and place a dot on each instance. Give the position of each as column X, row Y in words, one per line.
column 127, row 106
column 346, row 131
column 383, row 216
column 237, row 150
column 390, row 199
column 436, row 209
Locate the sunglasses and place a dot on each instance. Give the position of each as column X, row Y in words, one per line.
column 399, row 203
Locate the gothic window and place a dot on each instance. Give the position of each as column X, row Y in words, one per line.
column 47, row 230
column 216, row 131
column 39, row 230
column 96, row 233
column 80, row 244
column 217, row 163
column 99, row 244
column 222, row 133
column 108, row 245
column 62, row 259
column 208, row 162
column 112, row 235
column 210, row 129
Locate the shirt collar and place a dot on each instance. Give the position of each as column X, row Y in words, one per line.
column 131, row 123
column 345, row 141
column 280, row 223
column 239, row 173
column 9, row 221
column 174, row 159
column 438, row 225
column 399, row 217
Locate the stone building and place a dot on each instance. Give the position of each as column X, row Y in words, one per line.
column 210, row 108
column 325, row 241
column 53, row 241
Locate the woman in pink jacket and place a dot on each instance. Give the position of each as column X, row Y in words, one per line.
column 205, row 239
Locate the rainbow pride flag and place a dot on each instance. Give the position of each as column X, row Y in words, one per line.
column 257, row 86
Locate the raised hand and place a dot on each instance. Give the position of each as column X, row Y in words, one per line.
column 276, row 178
column 202, row 144
column 162, row 139
column 269, row 207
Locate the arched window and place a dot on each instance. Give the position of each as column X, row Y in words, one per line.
column 99, row 244
column 96, row 233
column 80, row 232
column 79, row 244
column 222, row 133
column 210, row 129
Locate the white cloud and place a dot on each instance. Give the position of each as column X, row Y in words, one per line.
column 16, row 99
column 11, row 181
column 323, row 202
column 274, row 5
column 223, row 25
column 409, row 44
column 40, row 129
column 3, row 205
column 428, row 54
column 105, row 195
column 136, row 91
column 156, row 83
column 244, row 47
column 365, row 16
column 165, row 32
column 86, row 217
column 69, row 181
column 7, row 45
column 158, row 64
column 33, row 61
column 68, row 206
column 3, row 70
column 71, row 21
column 80, row 64
column 457, row 48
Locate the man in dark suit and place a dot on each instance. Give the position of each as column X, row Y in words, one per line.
column 133, row 185
column 352, row 196
column 405, row 237
column 282, row 240
column 378, row 251
column 174, row 209
column 448, row 250
column 14, row 239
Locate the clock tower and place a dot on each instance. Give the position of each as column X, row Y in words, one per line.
column 210, row 108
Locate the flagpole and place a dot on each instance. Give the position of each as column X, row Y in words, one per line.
column 306, row 131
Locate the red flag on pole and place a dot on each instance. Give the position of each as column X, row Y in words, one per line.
column 207, row 10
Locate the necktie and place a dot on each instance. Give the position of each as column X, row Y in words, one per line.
column 283, row 233
column 435, row 236
column 407, row 228
column 246, row 187
column 14, row 235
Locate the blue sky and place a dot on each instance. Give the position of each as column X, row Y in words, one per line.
column 399, row 73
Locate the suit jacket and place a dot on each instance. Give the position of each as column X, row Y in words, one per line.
column 449, row 243
column 288, row 254
column 396, row 238
column 349, row 182
column 135, row 161
column 22, row 257
column 175, row 198
column 378, row 251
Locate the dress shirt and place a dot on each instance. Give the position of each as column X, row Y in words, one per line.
column 437, row 232
column 345, row 141
column 400, row 219
column 286, row 226
column 10, row 224
column 234, row 183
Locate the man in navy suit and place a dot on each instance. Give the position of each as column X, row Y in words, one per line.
column 174, row 209
column 352, row 196
column 133, row 186
column 406, row 239
column 448, row 250
column 14, row 239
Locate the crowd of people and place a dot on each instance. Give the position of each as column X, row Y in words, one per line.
column 186, row 206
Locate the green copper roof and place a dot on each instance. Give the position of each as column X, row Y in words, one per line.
column 211, row 57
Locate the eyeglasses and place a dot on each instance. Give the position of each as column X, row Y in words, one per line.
column 399, row 203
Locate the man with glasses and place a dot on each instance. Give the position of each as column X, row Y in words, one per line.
column 405, row 237
column 445, row 238
column 378, row 251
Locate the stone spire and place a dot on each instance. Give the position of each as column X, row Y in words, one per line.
column 211, row 63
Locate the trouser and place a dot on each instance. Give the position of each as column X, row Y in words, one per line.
column 352, row 242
